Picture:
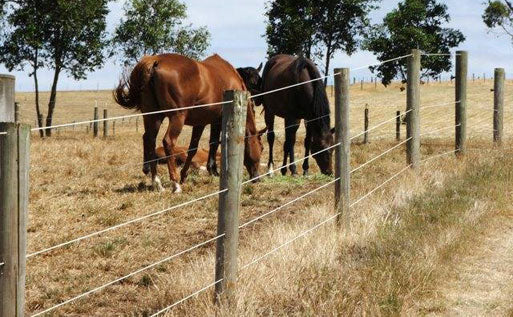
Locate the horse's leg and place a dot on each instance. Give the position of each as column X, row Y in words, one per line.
column 308, row 143
column 215, row 134
column 269, row 123
column 151, row 129
column 197, row 131
column 292, row 127
column 176, row 122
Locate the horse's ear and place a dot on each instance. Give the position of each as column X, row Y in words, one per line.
column 260, row 67
column 332, row 131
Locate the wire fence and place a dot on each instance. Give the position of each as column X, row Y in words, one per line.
column 222, row 191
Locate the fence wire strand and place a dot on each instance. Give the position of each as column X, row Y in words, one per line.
column 124, row 224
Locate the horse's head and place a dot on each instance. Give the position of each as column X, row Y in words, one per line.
column 252, row 80
column 321, row 141
column 253, row 144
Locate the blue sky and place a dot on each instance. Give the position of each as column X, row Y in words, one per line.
column 237, row 27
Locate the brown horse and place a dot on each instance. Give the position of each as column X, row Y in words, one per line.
column 308, row 101
column 174, row 82
column 199, row 161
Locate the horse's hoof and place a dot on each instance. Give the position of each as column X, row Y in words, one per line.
column 283, row 171
column 157, row 185
column 177, row 189
column 305, row 173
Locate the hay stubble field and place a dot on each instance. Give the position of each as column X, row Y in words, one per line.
column 80, row 185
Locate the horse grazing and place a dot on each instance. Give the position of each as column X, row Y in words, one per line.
column 199, row 161
column 308, row 101
column 175, row 83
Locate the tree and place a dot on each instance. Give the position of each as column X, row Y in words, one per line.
column 23, row 46
column 316, row 29
column 414, row 24
column 499, row 14
column 291, row 27
column 63, row 35
column 352, row 15
column 157, row 26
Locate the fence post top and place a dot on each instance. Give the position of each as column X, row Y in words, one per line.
column 7, row 76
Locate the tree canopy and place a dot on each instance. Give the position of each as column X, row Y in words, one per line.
column 499, row 15
column 63, row 35
column 413, row 24
column 157, row 26
column 316, row 29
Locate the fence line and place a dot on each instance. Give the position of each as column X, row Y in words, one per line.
column 380, row 124
column 441, row 129
column 125, row 223
column 380, row 63
column 304, row 233
column 381, row 155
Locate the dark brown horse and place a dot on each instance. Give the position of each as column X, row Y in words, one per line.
column 171, row 82
column 308, row 101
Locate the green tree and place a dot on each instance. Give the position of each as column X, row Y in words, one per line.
column 499, row 14
column 157, row 26
column 413, row 24
column 291, row 27
column 62, row 35
column 352, row 15
column 316, row 29
column 23, row 46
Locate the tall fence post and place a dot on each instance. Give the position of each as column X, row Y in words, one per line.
column 7, row 83
column 232, row 149
column 398, row 125
column 14, row 174
column 498, row 106
column 461, row 102
column 366, row 125
column 413, row 103
column 342, row 152
column 105, row 124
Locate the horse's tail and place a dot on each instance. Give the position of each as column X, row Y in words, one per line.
column 129, row 91
column 320, row 103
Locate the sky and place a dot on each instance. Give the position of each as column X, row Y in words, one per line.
column 236, row 34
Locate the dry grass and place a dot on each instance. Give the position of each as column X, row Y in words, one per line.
column 80, row 185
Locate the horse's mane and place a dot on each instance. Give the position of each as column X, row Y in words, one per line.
column 320, row 103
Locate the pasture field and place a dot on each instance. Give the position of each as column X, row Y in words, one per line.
column 80, row 185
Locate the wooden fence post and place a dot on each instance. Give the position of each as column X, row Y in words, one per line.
column 461, row 102
column 105, row 124
column 366, row 125
column 398, row 126
column 498, row 106
column 361, row 84
column 232, row 149
column 7, row 83
column 95, row 123
column 342, row 152
column 413, row 103
column 14, row 174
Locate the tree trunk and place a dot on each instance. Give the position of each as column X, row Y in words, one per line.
column 38, row 110
column 51, row 103
column 328, row 59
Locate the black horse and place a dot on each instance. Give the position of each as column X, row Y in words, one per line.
column 308, row 101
